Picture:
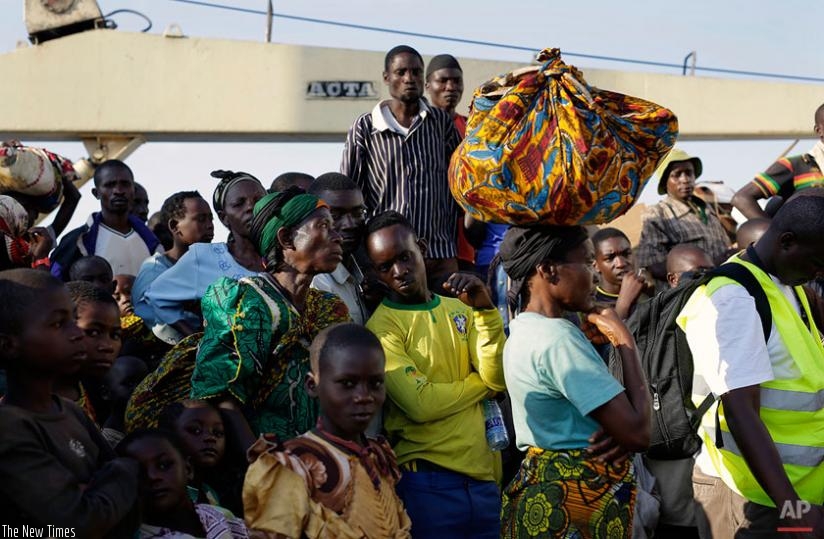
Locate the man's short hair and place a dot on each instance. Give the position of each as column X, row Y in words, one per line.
column 332, row 181
column 387, row 219
column 107, row 166
column 338, row 337
column 74, row 269
column 174, row 207
column 400, row 49
column 607, row 233
column 819, row 114
column 442, row 61
column 83, row 292
column 22, row 289
column 290, row 179
column 803, row 215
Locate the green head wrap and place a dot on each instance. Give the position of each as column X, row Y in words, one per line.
column 278, row 210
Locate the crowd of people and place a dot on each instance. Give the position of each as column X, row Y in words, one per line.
column 334, row 369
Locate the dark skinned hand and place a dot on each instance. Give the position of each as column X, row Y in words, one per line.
column 608, row 323
column 469, row 288
column 604, row 448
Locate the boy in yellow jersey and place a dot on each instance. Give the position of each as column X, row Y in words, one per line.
column 443, row 358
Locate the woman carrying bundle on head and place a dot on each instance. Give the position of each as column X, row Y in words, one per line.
column 574, row 420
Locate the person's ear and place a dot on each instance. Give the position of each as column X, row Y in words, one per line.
column 95, row 193
column 386, row 78
column 672, row 279
column 221, row 215
column 190, row 470
column 422, row 245
column 548, row 271
column 172, row 226
column 286, row 238
column 311, row 384
column 9, row 346
column 787, row 240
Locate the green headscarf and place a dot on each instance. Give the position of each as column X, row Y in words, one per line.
column 278, row 210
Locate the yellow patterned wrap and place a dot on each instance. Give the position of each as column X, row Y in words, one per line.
column 544, row 147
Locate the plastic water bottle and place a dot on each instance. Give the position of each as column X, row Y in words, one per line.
column 496, row 435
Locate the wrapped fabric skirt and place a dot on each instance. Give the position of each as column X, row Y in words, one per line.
column 568, row 494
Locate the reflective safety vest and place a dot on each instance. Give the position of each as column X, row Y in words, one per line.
column 792, row 409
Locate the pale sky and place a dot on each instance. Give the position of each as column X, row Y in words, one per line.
column 755, row 35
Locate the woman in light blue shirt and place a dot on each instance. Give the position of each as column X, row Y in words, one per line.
column 562, row 395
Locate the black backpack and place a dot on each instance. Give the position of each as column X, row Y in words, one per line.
column 667, row 361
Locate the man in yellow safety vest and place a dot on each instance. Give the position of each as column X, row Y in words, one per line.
column 761, row 470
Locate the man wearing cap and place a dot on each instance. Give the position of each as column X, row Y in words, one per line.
column 680, row 218
column 399, row 153
column 785, row 176
column 444, row 84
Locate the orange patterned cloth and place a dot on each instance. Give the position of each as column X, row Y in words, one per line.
column 542, row 146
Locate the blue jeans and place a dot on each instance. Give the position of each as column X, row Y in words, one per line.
column 451, row 505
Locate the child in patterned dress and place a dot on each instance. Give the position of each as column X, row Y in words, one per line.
column 332, row 481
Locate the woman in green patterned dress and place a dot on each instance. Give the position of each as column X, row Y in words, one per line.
column 254, row 354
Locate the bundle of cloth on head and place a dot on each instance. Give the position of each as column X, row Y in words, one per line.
column 34, row 172
column 14, row 224
column 524, row 248
column 280, row 210
column 543, row 147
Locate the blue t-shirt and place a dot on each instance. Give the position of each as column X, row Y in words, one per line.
column 555, row 379
column 492, row 241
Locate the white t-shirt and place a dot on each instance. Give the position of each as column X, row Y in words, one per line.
column 728, row 349
column 345, row 285
column 125, row 252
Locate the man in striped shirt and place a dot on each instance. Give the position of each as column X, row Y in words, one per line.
column 399, row 153
column 785, row 176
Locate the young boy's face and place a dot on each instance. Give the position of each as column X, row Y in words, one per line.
column 350, row 387
column 396, row 256
column 97, row 273
column 200, row 431
column 50, row 342
column 124, row 376
column 123, row 293
column 163, row 475
column 613, row 260
column 100, row 323
column 196, row 225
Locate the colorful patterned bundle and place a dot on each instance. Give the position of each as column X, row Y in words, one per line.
column 544, row 147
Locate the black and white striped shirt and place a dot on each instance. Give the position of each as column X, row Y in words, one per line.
column 406, row 172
